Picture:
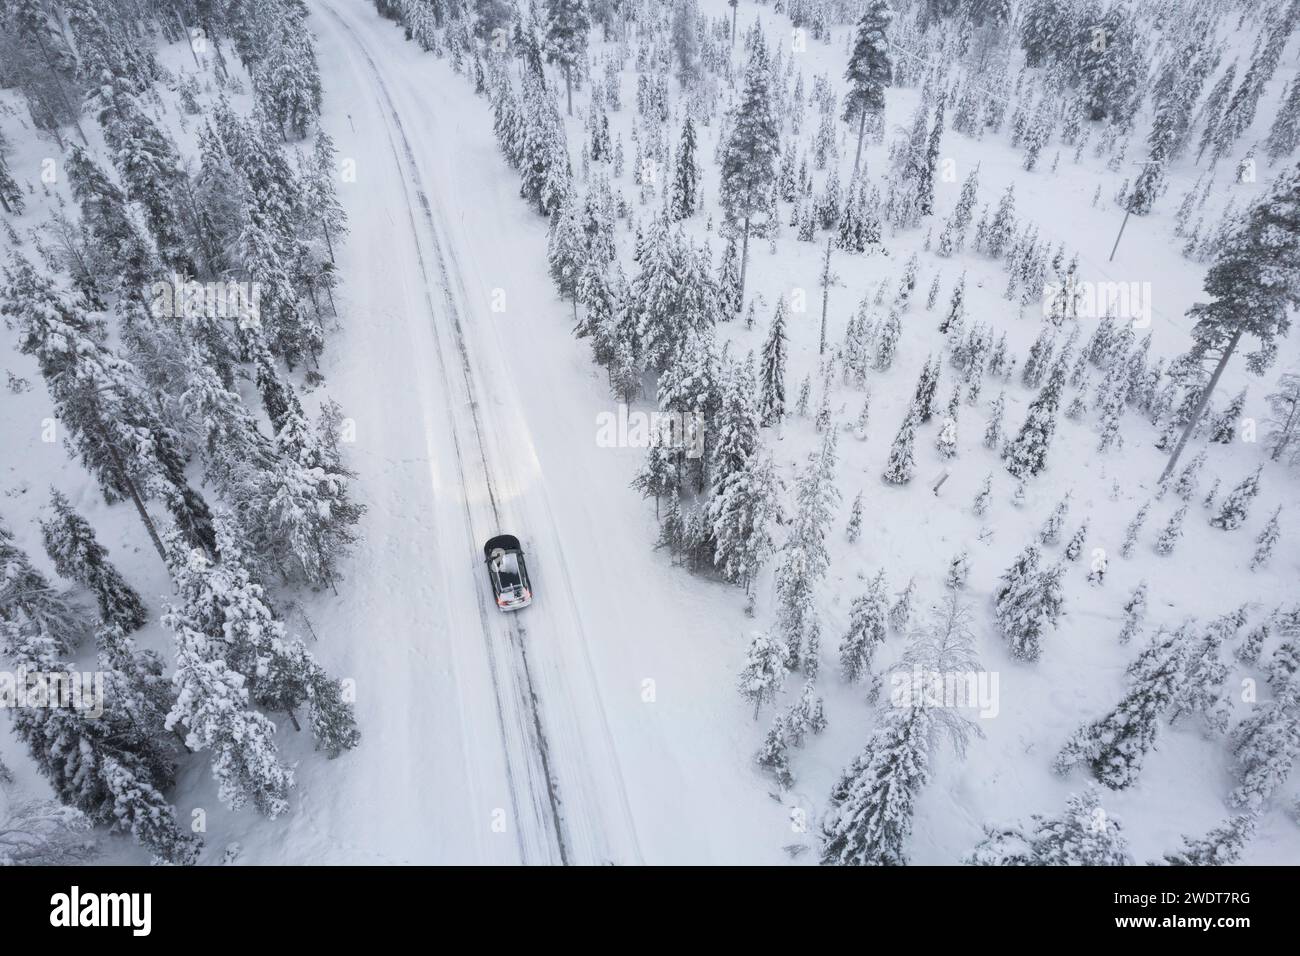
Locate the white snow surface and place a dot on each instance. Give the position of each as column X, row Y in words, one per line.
column 602, row 724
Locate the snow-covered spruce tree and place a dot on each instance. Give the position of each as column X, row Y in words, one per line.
column 772, row 389
column 871, row 806
column 1002, row 229
column 1050, row 533
column 853, row 530
column 1232, row 513
column 688, row 390
column 980, row 506
column 750, row 153
column 685, row 40
column 1265, row 542
column 1253, row 286
column 1173, row 531
column 869, row 73
column 1114, row 746
column 867, row 620
column 1085, row 835
column 686, row 178
column 993, row 430
column 742, row 512
column 1189, row 478
column 286, row 79
column 1222, row 846
column 902, row 458
column 900, row 612
column 1135, row 610
column 772, row 756
column 806, row 715
column 1074, row 547
column 764, row 671
column 1026, row 454
column 544, row 168
column 927, row 385
column 290, row 330
column 1028, row 601
column 805, row 560
column 78, row 556
column 958, row 570
column 1134, row 529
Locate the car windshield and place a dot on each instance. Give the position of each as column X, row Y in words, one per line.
column 507, row 570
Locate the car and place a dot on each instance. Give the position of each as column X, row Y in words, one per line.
column 507, row 572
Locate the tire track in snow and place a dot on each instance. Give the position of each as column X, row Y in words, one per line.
column 533, row 731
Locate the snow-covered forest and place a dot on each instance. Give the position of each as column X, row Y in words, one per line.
column 895, row 400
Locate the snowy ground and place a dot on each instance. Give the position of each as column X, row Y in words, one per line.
column 602, row 724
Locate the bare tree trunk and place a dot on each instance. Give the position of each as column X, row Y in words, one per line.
column 1286, row 430
column 1200, row 405
column 568, row 86
column 857, row 157
column 826, row 295
column 734, row 11
column 126, row 479
column 744, row 262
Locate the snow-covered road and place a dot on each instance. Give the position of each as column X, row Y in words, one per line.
column 600, row 722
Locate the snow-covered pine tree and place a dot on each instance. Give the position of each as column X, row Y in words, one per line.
column 900, row 612
column 744, row 507
column 1135, row 610
column 902, row 458
column 867, row 622
column 567, row 25
column 686, row 177
column 764, row 671
column 1222, row 846
column 1115, row 746
column 854, row 528
column 1253, row 288
column 772, row 755
column 1266, row 540
column 871, row 805
column 1085, row 835
column 1172, row 532
column 1074, row 547
column 111, row 424
column 105, row 765
column 1266, row 745
column 772, row 390
column 1232, row 513
column 77, row 555
column 869, row 73
column 1026, row 454
column 751, row 151
column 806, row 561
column 1028, row 601
column 1133, row 529
column 1050, row 533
